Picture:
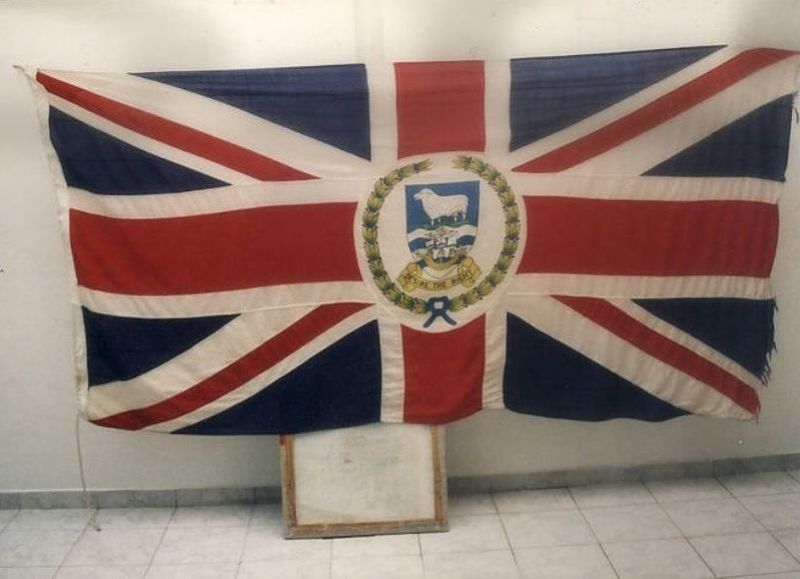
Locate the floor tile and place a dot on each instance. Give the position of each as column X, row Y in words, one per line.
column 266, row 542
column 284, row 569
column 467, row 534
column 267, row 514
column 631, row 523
column 750, row 553
column 216, row 516
column 101, row 572
column 381, row 545
column 36, row 547
column 550, row 536
column 547, row 529
column 611, row 495
column 7, row 515
column 789, row 575
column 790, row 540
column 134, row 518
column 195, row 571
column 494, row 564
column 534, row 501
column 687, row 489
column 204, row 545
column 775, row 512
column 50, row 519
column 571, row 562
column 662, row 559
column 716, row 517
column 459, row 505
column 115, row 547
column 760, row 483
column 397, row 567
column 27, row 572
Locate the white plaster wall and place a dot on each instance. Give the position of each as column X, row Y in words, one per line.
column 37, row 407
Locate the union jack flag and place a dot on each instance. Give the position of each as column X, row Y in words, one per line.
column 293, row 249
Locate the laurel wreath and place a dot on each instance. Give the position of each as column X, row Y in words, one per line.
column 381, row 190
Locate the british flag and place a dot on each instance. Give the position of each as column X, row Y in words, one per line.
column 292, row 249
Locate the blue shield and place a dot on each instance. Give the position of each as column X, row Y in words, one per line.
column 442, row 221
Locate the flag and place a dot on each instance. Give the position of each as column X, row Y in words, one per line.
column 283, row 250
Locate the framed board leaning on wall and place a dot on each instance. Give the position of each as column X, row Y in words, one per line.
column 367, row 480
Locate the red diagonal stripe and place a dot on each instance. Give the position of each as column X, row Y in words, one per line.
column 443, row 373
column 248, row 248
column 662, row 348
column 174, row 134
column 635, row 237
column 653, row 114
column 241, row 371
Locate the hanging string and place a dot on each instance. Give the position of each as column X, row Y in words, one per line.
column 87, row 497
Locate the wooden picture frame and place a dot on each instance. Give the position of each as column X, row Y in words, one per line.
column 367, row 480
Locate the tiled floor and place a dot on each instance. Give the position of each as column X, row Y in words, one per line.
column 737, row 526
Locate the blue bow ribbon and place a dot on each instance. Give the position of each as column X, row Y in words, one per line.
column 438, row 308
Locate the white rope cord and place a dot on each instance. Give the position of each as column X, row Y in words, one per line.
column 87, row 497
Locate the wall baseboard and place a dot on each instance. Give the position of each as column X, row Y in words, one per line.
column 600, row 475
column 65, row 499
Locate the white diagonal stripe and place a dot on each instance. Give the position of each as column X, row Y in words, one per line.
column 678, row 336
column 217, row 200
column 660, row 143
column 229, row 302
column 202, row 360
column 168, row 152
column 222, row 121
column 268, row 377
column 622, row 108
column 624, row 359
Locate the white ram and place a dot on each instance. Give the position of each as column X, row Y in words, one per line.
column 437, row 207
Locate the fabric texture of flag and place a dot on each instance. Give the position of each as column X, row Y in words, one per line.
column 292, row 249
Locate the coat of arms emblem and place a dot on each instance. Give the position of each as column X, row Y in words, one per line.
column 441, row 228
column 440, row 274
